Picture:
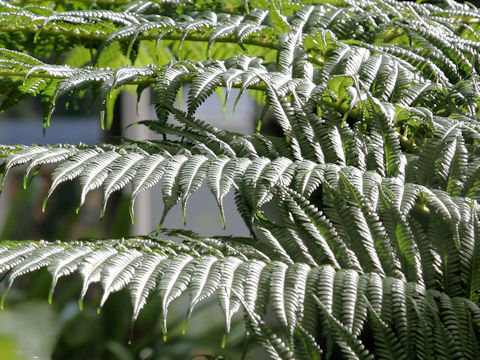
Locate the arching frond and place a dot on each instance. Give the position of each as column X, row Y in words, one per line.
column 345, row 299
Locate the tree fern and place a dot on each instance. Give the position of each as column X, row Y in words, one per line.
column 362, row 211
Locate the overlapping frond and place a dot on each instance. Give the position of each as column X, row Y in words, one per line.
column 302, row 297
column 367, row 222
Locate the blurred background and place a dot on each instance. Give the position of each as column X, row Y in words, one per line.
column 32, row 329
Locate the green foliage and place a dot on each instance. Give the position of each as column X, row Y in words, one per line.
column 372, row 248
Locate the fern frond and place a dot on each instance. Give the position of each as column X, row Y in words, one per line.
column 346, row 298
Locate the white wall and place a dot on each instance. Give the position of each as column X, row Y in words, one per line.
column 202, row 210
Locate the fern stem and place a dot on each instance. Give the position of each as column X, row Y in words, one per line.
column 141, row 80
column 93, row 2
column 393, row 33
column 317, row 60
column 204, row 36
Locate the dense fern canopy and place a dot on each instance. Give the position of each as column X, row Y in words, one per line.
column 372, row 249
